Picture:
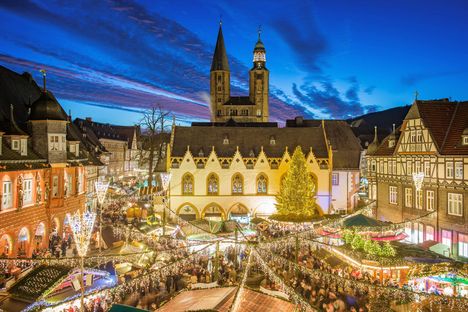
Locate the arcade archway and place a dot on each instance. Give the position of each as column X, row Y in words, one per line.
column 187, row 212
column 213, row 212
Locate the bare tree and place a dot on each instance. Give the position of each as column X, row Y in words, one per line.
column 154, row 124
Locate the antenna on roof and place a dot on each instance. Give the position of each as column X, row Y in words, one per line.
column 43, row 71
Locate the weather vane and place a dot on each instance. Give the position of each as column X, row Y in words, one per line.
column 259, row 31
column 416, row 94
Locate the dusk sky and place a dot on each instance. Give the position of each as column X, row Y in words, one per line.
column 327, row 59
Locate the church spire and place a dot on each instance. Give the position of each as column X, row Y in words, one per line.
column 220, row 60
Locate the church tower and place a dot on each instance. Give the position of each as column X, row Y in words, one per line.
column 259, row 81
column 220, row 79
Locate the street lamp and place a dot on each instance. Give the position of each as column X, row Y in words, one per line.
column 82, row 228
column 101, row 191
column 165, row 179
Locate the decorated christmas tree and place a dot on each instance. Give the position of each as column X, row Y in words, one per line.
column 296, row 196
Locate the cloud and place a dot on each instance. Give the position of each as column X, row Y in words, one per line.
column 304, row 38
column 125, row 57
column 415, row 78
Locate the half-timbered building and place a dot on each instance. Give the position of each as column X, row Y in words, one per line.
column 433, row 142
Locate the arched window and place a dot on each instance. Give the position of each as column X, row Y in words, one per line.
column 262, row 184
column 187, row 184
column 237, row 184
column 212, row 184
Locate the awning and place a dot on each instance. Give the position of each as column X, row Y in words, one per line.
column 124, row 308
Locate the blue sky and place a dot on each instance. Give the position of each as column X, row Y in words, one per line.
column 327, row 59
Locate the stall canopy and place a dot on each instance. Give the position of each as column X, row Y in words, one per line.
column 361, row 220
column 124, row 308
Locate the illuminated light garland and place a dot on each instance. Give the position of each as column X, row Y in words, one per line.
column 401, row 295
column 238, row 297
column 303, row 304
column 155, row 275
column 101, row 190
column 165, row 179
column 82, row 228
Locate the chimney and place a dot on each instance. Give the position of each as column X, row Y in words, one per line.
column 299, row 120
column 89, row 119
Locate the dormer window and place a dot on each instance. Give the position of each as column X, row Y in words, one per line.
column 57, row 142
column 15, row 145
column 201, row 153
column 391, row 143
column 272, row 140
column 226, row 139
column 24, row 147
column 465, row 140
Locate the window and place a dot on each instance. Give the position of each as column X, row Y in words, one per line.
column 335, row 179
column 80, row 182
column 408, row 197
column 373, row 191
column 465, row 140
column 392, row 167
column 57, row 142
column 27, row 191
column 373, row 166
column 459, row 170
column 24, row 147
column 68, row 183
column 381, row 167
column 72, row 148
column 392, row 194
column 7, row 195
column 427, row 168
column 429, row 232
column 412, row 136
column 226, row 140
column 212, row 184
column 455, row 204
column 262, row 185
column 55, row 186
column 430, row 200
column 15, row 145
column 420, row 233
column 272, row 140
column 245, row 112
column 237, row 184
column 419, row 136
column 463, row 245
column 409, row 167
column 449, row 170
column 187, row 184
column 447, row 238
column 419, row 199
column 259, row 113
column 417, row 166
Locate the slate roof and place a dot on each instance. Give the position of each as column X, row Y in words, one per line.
column 22, row 92
column 46, row 107
column 446, row 121
column 220, row 61
column 248, row 139
column 345, row 145
column 383, row 149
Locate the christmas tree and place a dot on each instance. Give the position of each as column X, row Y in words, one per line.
column 296, row 196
